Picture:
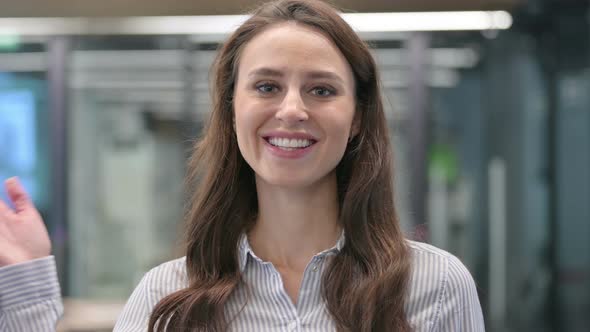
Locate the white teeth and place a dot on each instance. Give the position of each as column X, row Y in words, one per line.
column 289, row 143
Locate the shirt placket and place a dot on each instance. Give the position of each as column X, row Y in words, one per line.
column 309, row 292
column 308, row 295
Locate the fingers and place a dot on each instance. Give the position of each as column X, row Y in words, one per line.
column 17, row 194
column 5, row 211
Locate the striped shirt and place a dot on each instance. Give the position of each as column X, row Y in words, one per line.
column 442, row 295
column 30, row 298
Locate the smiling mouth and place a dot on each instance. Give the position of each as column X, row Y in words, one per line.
column 290, row 144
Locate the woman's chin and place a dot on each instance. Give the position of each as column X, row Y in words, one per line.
column 290, row 181
column 284, row 182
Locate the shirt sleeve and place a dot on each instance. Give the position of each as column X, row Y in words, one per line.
column 460, row 310
column 136, row 313
column 30, row 296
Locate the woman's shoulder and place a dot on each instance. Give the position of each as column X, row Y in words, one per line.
column 439, row 282
column 421, row 250
column 428, row 258
column 177, row 265
column 167, row 277
column 437, row 267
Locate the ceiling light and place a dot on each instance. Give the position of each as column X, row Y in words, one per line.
column 224, row 24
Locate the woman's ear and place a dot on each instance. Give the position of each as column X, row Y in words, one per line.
column 355, row 128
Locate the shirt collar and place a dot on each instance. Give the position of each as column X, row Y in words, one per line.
column 244, row 250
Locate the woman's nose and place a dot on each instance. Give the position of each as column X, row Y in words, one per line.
column 292, row 108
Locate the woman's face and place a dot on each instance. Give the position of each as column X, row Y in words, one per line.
column 294, row 105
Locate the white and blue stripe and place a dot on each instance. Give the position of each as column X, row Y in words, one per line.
column 442, row 295
column 30, row 296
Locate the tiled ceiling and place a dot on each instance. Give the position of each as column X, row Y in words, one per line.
column 67, row 8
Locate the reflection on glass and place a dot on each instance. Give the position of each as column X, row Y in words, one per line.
column 127, row 155
column 23, row 140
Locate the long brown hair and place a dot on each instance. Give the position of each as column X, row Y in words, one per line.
column 365, row 284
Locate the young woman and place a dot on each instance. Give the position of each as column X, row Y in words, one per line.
column 292, row 225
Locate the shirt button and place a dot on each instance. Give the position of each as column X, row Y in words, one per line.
column 293, row 326
column 314, row 268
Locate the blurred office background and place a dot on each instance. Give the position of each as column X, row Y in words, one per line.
column 99, row 102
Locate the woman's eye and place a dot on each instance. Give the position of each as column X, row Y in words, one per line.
column 322, row 92
column 266, row 88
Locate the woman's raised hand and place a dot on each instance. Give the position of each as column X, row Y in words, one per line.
column 23, row 235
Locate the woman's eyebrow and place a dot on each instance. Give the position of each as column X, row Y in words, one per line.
column 265, row 71
column 325, row 74
column 315, row 74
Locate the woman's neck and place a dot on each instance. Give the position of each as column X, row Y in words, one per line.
column 295, row 224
